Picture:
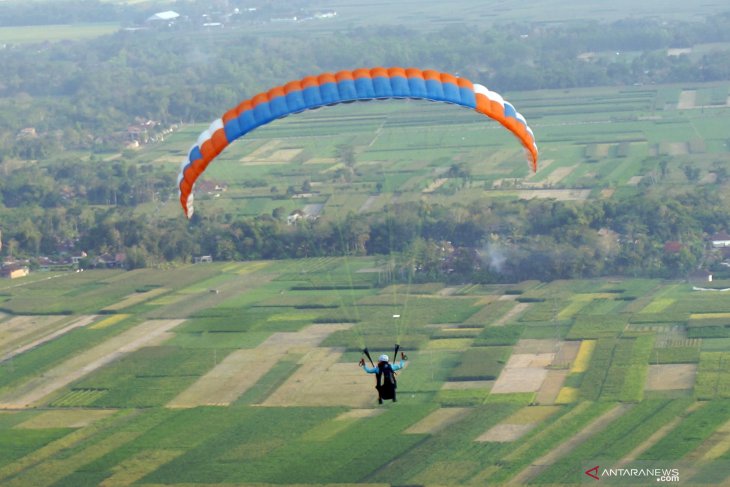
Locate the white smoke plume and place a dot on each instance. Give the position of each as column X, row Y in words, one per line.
column 493, row 256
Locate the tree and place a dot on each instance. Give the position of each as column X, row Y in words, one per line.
column 345, row 153
column 692, row 173
column 278, row 213
column 664, row 167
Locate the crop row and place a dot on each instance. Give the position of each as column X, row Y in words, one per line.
column 713, row 375
column 627, row 374
column 451, row 453
column 254, row 446
column 615, row 441
column 597, row 326
column 694, row 428
column 79, row 397
column 544, row 439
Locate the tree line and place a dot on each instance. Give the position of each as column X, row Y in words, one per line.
column 487, row 240
column 78, row 95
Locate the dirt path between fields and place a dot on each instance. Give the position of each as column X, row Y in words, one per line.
column 517, row 309
column 438, row 420
column 558, row 194
column 31, row 392
column 436, row 184
column 562, row 450
column 368, row 203
column 687, row 99
column 82, row 321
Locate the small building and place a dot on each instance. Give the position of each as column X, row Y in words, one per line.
column 679, row 51
column 27, row 133
column 329, row 14
column 110, row 261
column 166, row 16
column 210, row 186
column 14, row 271
column 673, row 247
column 294, row 217
column 720, row 240
column 700, row 276
column 203, row 259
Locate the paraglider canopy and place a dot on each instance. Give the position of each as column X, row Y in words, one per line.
column 343, row 87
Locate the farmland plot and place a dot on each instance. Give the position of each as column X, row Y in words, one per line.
column 148, row 333
column 243, row 368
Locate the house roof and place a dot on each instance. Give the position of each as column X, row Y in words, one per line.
column 701, row 273
column 672, row 246
column 720, row 236
column 12, row 268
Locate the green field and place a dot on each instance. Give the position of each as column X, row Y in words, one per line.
column 171, row 409
column 471, row 11
column 52, row 33
column 599, row 143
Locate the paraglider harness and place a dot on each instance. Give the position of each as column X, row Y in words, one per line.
column 385, row 381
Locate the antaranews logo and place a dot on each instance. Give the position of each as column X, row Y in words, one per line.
column 658, row 474
column 593, row 472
